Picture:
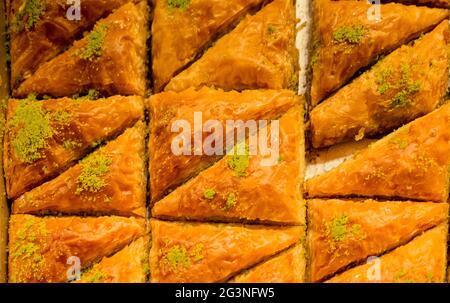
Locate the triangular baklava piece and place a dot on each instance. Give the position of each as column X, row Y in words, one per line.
column 423, row 260
column 41, row 29
column 130, row 265
column 47, row 249
column 408, row 83
column 347, row 38
column 201, row 252
column 342, row 233
column 110, row 181
column 259, row 53
column 411, row 163
column 182, row 30
column 288, row 267
column 43, row 138
column 111, row 59
column 248, row 187
column 170, row 108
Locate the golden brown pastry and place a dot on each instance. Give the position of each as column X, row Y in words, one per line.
column 408, row 83
column 411, row 163
column 130, row 265
column 346, row 40
column 344, row 232
column 40, row 248
column 40, row 30
column 423, row 260
column 44, row 138
column 287, row 267
column 201, row 252
column 111, row 59
column 110, row 181
column 259, row 53
column 240, row 187
column 167, row 108
column 180, row 32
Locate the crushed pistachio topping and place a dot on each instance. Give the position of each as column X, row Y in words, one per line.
column 71, row 144
column 34, row 129
column 239, row 163
column 315, row 51
column 382, row 80
column 28, row 15
column 209, row 194
column 340, row 229
column 197, row 252
column 94, row 44
column 403, row 89
column 95, row 275
column 60, row 116
column 350, row 34
column 145, row 267
column 26, row 250
column 94, row 168
column 96, row 143
column 231, row 201
column 280, row 158
column 179, row 4
column 177, row 256
column 92, row 94
column 293, row 82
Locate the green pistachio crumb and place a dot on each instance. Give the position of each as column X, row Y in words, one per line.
column 403, row 98
column 94, row 168
column 93, row 94
column 315, row 51
column 95, row 275
column 177, row 256
column 26, row 249
column 231, row 201
column 28, row 15
column 60, row 116
column 197, row 252
column 209, row 193
column 95, row 39
column 338, row 228
column 401, row 90
column 350, row 34
column 239, row 163
column 178, row 4
column 33, row 130
column 71, row 144
column 382, row 78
